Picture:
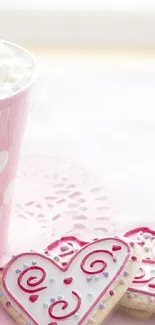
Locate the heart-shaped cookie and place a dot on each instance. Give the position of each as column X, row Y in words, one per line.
column 81, row 292
column 64, row 248
column 141, row 294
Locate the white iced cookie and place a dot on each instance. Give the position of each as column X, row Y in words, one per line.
column 63, row 249
column 141, row 294
column 36, row 290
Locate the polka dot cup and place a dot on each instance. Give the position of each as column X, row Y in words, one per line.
column 13, row 116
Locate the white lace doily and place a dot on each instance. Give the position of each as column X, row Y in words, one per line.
column 54, row 198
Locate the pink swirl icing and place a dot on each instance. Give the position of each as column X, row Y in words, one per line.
column 71, row 252
column 99, row 261
column 138, row 277
column 141, row 279
column 64, row 306
column 32, row 280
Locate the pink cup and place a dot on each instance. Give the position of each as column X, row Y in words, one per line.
column 13, row 116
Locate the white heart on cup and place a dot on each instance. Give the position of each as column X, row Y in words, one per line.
column 4, row 156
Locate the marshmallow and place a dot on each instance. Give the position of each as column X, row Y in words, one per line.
column 15, row 71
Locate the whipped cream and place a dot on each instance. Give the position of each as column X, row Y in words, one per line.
column 15, row 71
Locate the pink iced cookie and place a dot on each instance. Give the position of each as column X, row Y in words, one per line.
column 64, row 248
column 141, row 295
column 36, row 290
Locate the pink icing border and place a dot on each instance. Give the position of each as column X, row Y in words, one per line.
column 137, row 229
column 64, row 269
column 145, row 261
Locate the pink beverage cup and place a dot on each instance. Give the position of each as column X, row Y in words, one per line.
column 13, row 117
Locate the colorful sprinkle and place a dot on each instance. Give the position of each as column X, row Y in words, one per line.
column 1, row 294
column 64, row 248
column 34, row 263
column 146, row 249
column 90, row 294
column 25, row 265
column 60, row 297
column 76, row 315
column 45, row 305
column 97, row 277
column 153, row 271
column 134, row 258
column 101, row 306
column 46, row 252
column 126, row 273
column 8, row 304
column 106, row 274
column 18, row 271
column 51, row 279
column 111, row 293
column 147, row 235
column 52, row 299
column 122, row 281
column 56, row 258
column 89, row 279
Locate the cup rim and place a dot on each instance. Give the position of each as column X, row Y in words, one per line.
column 34, row 74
